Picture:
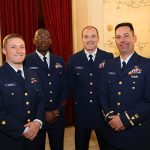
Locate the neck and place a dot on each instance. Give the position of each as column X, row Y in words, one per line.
column 17, row 65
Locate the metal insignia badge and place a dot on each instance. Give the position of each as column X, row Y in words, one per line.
column 136, row 70
column 33, row 80
column 58, row 65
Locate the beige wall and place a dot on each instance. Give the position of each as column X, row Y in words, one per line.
column 105, row 14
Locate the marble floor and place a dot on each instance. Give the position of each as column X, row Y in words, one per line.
column 69, row 140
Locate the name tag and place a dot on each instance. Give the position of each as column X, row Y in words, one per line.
column 34, row 68
column 10, row 84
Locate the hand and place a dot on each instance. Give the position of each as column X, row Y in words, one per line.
column 52, row 116
column 31, row 130
column 116, row 123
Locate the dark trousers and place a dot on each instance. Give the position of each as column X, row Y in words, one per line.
column 8, row 143
column 55, row 136
column 82, row 138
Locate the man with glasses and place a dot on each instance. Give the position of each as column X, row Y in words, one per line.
column 51, row 72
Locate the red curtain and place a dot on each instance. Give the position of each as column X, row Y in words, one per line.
column 57, row 16
column 19, row 16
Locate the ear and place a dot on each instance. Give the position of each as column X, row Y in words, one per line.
column 135, row 38
column 34, row 42
column 50, row 41
column 4, row 51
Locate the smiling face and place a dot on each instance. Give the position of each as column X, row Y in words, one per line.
column 90, row 38
column 125, row 40
column 14, row 50
column 42, row 40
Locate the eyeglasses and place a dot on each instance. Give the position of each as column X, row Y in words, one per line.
column 44, row 37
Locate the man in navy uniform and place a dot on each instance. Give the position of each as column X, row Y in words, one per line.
column 125, row 95
column 21, row 100
column 84, row 71
column 51, row 72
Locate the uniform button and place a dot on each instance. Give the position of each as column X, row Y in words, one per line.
column 118, row 104
column 27, row 103
column 28, row 120
column 28, row 112
column 91, row 83
column 77, row 73
column 118, row 114
column 120, row 82
column 50, row 100
column 60, row 73
column 91, row 92
column 26, row 94
column 119, row 93
column 133, row 82
column 50, row 83
column 48, row 74
column 133, row 88
column 51, row 92
column 12, row 93
column 3, row 122
column 91, row 74
column 91, row 101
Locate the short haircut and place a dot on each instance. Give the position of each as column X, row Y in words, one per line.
column 41, row 29
column 128, row 24
column 90, row 27
column 10, row 36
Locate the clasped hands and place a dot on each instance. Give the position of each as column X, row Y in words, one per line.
column 116, row 123
column 31, row 130
column 52, row 116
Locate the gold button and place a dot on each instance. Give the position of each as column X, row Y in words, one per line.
column 12, row 93
column 118, row 104
column 91, row 74
column 28, row 120
column 48, row 74
column 3, row 122
column 91, row 92
column 133, row 82
column 91, row 101
column 119, row 93
column 50, row 83
column 133, row 88
column 27, row 103
column 28, row 112
column 136, row 116
column 26, row 94
column 120, row 82
column 91, row 83
column 50, row 100
column 51, row 92
column 140, row 124
column 133, row 118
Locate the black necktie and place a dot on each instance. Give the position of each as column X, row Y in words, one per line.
column 19, row 73
column 91, row 58
column 45, row 62
column 123, row 66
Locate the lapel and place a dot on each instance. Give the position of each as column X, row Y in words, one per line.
column 40, row 62
column 13, row 75
column 83, row 59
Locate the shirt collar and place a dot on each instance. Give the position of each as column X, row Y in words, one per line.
column 41, row 56
column 93, row 54
column 127, row 59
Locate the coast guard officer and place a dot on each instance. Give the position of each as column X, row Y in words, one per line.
column 21, row 100
column 51, row 72
column 84, row 71
column 125, row 95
